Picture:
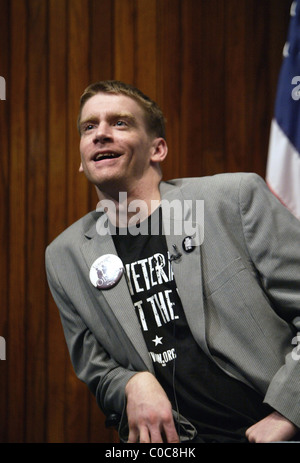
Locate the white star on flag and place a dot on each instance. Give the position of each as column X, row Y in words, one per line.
column 157, row 340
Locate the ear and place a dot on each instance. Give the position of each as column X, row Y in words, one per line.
column 80, row 168
column 159, row 150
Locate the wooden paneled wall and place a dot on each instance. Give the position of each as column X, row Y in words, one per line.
column 213, row 67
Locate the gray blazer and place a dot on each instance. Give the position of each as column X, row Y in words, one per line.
column 240, row 290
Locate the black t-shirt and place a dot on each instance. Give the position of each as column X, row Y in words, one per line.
column 220, row 407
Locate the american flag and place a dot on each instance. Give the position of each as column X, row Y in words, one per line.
column 283, row 166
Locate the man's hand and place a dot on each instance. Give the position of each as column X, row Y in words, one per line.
column 149, row 411
column 273, row 428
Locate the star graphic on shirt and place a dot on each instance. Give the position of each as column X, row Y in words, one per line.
column 157, row 340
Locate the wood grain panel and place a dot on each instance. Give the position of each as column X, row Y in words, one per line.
column 192, row 109
column 17, row 155
column 101, row 40
column 236, row 52
column 169, row 81
column 4, row 223
column 213, row 86
column 146, row 47
column 57, row 166
column 213, row 68
column 36, row 171
column 258, row 104
column 124, row 40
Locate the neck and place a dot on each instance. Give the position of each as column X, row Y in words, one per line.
column 123, row 206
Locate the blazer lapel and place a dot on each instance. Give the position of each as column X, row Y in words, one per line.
column 187, row 269
column 118, row 297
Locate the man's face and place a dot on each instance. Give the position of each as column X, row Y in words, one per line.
column 115, row 147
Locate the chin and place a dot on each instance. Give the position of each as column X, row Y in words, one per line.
column 110, row 185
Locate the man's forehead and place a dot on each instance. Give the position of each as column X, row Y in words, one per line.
column 110, row 103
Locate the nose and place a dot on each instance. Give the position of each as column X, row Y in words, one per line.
column 103, row 134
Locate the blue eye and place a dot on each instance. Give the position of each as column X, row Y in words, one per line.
column 120, row 123
column 87, row 127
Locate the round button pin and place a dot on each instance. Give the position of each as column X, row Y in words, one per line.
column 188, row 244
column 106, row 271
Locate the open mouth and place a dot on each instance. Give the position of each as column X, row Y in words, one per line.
column 102, row 156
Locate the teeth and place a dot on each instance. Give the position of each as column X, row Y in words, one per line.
column 105, row 155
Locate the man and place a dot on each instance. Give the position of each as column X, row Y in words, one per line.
column 185, row 337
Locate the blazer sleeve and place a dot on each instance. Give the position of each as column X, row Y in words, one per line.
column 92, row 364
column 272, row 236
